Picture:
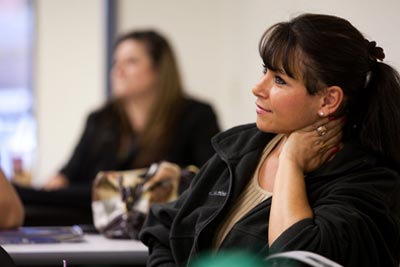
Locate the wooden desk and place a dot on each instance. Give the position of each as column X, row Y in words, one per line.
column 96, row 249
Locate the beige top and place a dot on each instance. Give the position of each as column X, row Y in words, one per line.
column 252, row 195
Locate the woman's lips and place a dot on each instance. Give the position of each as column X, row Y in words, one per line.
column 261, row 110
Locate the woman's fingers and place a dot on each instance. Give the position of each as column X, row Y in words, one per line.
column 319, row 123
column 329, row 153
column 328, row 123
column 333, row 135
column 331, row 143
column 332, row 130
column 312, row 146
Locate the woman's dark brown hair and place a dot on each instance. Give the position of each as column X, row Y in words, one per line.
column 324, row 51
column 156, row 137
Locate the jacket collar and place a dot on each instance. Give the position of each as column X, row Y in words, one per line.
column 351, row 156
column 233, row 144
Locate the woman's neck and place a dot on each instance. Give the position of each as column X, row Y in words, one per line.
column 278, row 148
column 138, row 110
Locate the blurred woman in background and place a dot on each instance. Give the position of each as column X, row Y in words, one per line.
column 149, row 118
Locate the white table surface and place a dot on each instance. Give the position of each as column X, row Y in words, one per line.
column 95, row 249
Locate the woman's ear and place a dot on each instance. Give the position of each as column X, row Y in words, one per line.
column 331, row 98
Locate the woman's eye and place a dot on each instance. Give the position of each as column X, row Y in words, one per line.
column 279, row 80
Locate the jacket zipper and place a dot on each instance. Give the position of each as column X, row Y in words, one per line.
column 220, row 209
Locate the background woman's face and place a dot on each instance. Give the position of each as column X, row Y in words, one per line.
column 283, row 104
column 133, row 73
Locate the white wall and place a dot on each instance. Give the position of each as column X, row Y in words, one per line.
column 216, row 42
column 69, row 75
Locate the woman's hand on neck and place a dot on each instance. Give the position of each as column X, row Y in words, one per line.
column 308, row 150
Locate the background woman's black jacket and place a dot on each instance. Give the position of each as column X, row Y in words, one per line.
column 354, row 197
column 98, row 147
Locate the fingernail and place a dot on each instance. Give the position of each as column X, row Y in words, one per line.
column 335, row 150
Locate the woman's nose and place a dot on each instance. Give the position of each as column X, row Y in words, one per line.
column 261, row 89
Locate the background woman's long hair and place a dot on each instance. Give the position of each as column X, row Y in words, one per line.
column 324, row 51
column 157, row 134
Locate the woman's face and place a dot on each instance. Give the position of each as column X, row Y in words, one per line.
column 133, row 73
column 283, row 104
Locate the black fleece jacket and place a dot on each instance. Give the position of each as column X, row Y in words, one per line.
column 355, row 199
